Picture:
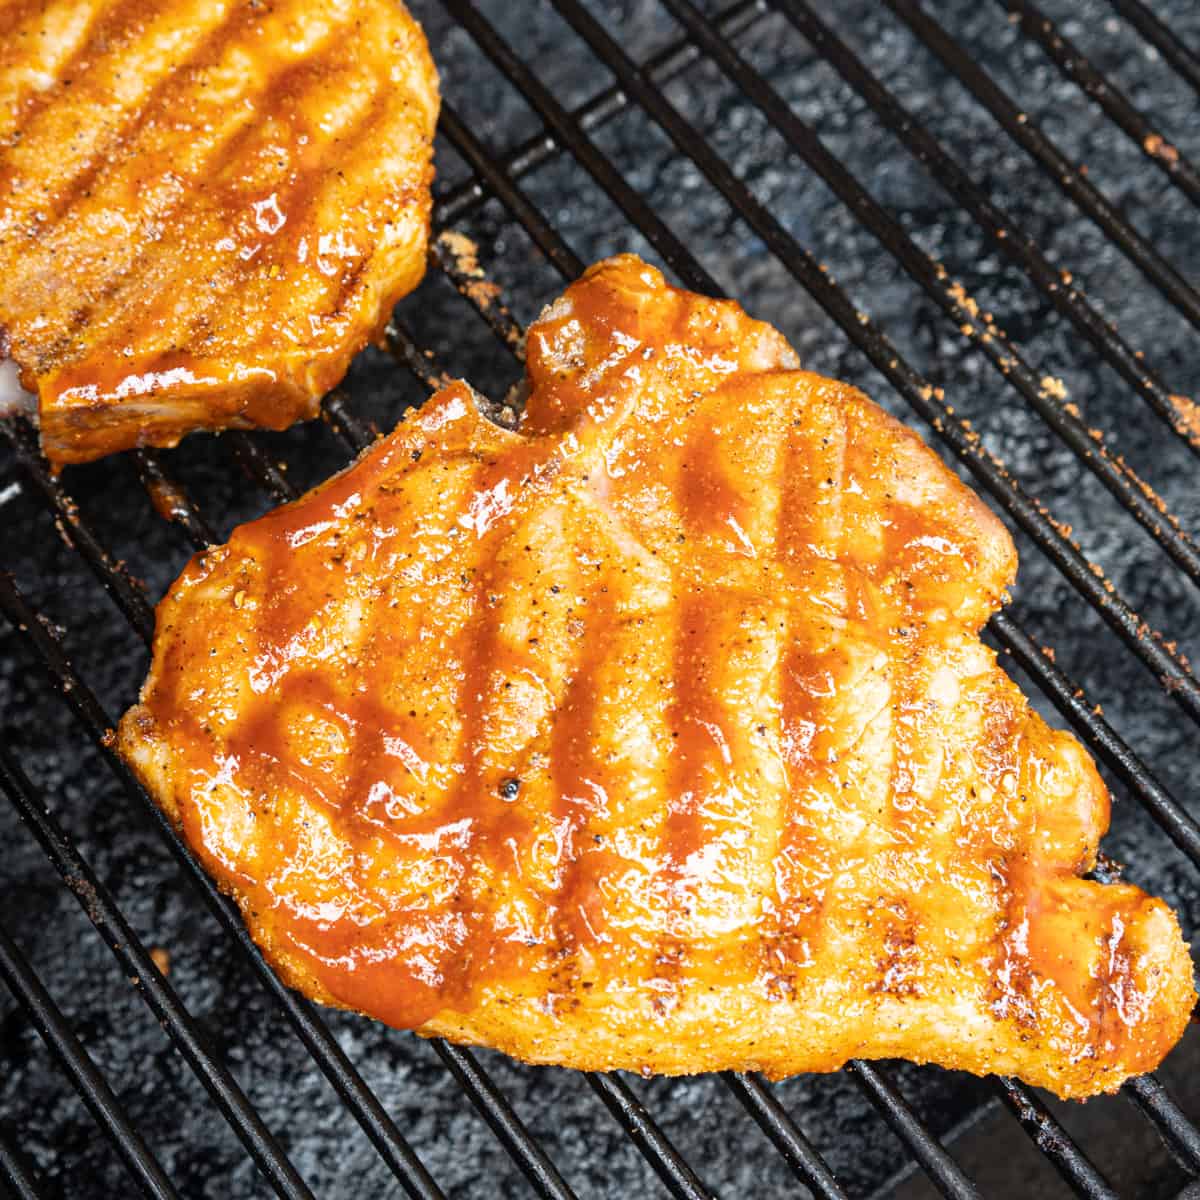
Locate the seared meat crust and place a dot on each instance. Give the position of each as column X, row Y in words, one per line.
column 654, row 735
column 206, row 208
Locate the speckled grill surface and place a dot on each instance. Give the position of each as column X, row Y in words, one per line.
column 38, row 1107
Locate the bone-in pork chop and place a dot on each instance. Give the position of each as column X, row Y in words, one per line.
column 205, row 208
column 654, row 735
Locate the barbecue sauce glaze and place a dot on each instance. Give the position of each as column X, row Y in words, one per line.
column 675, row 689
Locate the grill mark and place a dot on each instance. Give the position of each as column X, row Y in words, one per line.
column 20, row 93
column 807, row 515
column 1114, row 982
column 710, row 503
column 690, row 766
column 28, row 107
column 110, row 149
column 298, row 199
column 577, row 777
column 126, row 277
column 128, row 27
column 476, row 799
column 703, row 498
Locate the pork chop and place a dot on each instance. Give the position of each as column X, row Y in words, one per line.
column 655, row 735
column 205, row 208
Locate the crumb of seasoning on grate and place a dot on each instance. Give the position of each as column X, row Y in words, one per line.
column 1189, row 415
column 463, row 254
column 1157, row 147
column 462, row 250
column 161, row 958
column 1053, row 388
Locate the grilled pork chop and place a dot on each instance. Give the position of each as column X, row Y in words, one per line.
column 205, row 208
column 654, row 735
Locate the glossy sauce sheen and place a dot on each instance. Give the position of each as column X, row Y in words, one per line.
column 656, row 734
column 205, row 208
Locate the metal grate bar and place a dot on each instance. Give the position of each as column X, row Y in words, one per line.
column 538, row 228
column 158, row 994
column 905, row 1123
column 504, row 1123
column 999, row 227
column 1182, row 60
column 773, row 1119
column 681, row 1181
column 14, row 1172
column 532, row 153
column 1071, row 702
column 125, row 592
column 1054, row 1142
column 1060, row 170
column 338, row 415
column 1078, row 68
column 170, row 500
column 314, row 1034
column 984, row 334
column 83, row 1072
column 1164, row 664
column 583, row 149
column 1179, row 1134
column 258, row 465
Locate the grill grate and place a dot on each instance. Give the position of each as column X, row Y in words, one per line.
column 574, row 134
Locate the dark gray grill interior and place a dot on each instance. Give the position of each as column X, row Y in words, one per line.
column 743, row 146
